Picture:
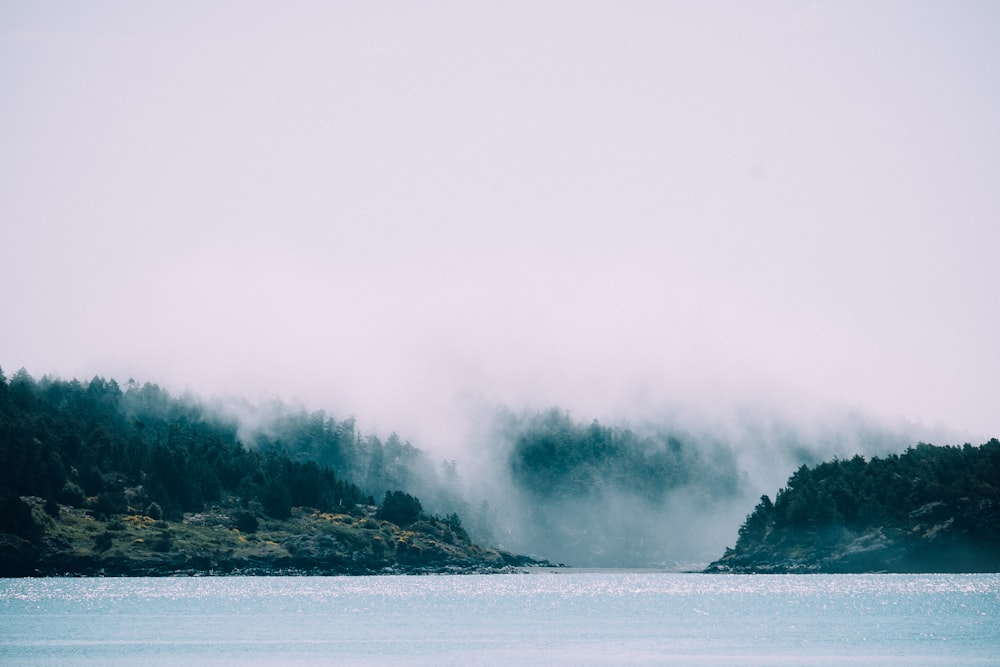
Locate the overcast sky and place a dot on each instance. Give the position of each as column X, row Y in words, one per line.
column 395, row 208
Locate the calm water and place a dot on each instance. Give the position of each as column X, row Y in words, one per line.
column 539, row 618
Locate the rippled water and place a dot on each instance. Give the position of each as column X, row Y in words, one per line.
column 561, row 617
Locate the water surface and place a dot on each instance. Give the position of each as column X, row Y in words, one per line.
column 540, row 618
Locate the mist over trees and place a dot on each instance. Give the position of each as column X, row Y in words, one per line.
column 377, row 466
column 665, row 491
column 603, row 495
column 577, row 491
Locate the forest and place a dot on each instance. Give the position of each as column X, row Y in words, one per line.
column 931, row 508
column 94, row 445
column 555, row 457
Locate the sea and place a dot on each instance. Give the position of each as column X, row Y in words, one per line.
column 541, row 617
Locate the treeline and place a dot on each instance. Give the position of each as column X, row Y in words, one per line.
column 598, row 495
column 554, row 457
column 98, row 446
column 929, row 508
column 375, row 465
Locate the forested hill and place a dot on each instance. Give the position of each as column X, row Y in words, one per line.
column 931, row 509
column 613, row 496
column 94, row 477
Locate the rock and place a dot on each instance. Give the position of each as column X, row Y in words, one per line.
column 18, row 556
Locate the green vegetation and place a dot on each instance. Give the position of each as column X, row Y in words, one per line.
column 400, row 508
column 606, row 495
column 374, row 465
column 93, row 446
column 208, row 542
column 554, row 457
column 97, row 479
column 929, row 509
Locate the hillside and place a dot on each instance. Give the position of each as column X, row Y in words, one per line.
column 598, row 495
column 97, row 480
column 74, row 542
column 931, row 509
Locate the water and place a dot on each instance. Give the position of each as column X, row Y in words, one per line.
column 541, row 618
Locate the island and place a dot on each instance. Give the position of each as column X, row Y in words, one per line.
column 931, row 509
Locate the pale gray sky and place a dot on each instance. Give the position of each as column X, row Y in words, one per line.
column 389, row 208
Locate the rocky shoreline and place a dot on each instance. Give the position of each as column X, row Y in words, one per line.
column 310, row 543
column 940, row 542
column 176, row 565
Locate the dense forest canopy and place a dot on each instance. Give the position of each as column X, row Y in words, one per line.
column 93, row 444
column 930, row 508
column 554, row 457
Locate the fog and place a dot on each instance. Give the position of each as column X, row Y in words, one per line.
column 723, row 469
column 741, row 221
column 669, row 491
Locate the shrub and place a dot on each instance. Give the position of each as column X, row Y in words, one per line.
column 154, row 511
column 102, row 542
column 246, row 522
column 163, row 541
column 399, row 508
column 71, row 494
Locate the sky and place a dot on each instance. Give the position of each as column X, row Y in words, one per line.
column 400, row 210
